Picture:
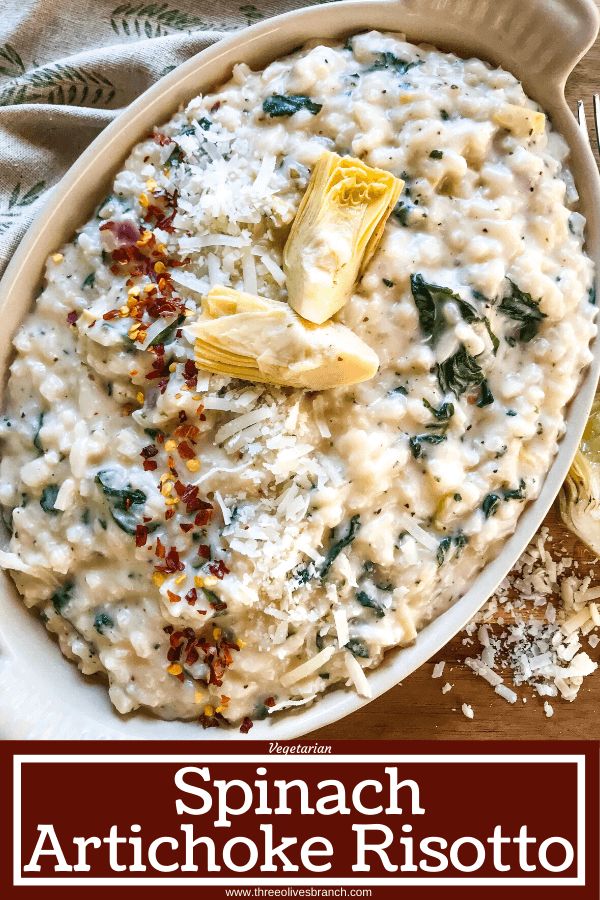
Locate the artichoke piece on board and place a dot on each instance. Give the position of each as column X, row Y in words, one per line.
column 337, row 228
column 263, row 340
column 580, row 494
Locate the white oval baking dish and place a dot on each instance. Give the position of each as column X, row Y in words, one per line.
column 43, row 697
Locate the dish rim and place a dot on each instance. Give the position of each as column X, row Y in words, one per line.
column 29, row 714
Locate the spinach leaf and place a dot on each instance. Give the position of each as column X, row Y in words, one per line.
column 124, row 503
column 387, row 60
column 418, row 439
column 401, row 213
column 459, row 372
column 175, row 159
column 443, row 547
column 89, row 280
column 105, row 478
column 490, row 505
column 126, row 519
column 337, row 547
column 515, row 493
column 430, row 300
column 371, row 603
column 167, row 334
column 459, row 540
column 520, row 306
column 485, row 397
column 205, row 123
column 443, row 413
column 493, row 337
column 399, row 390
column 101, row 621
column 358, row 647
column 61, row 597
column 48, row 499
column 287, row 104
column 37, row 443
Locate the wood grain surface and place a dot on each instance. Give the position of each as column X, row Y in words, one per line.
column 417, row 709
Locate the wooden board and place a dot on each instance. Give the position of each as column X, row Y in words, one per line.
column 417, row 709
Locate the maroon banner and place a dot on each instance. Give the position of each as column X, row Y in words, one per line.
column 301, row 819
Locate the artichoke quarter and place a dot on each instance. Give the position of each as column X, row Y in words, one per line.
column 580, row 495
column 522, row 121
column 263, row 340
column 337, row 228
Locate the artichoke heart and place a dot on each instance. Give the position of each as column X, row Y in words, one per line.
column 263, row 340
column 580, row 494
column 522, row 121
column 339, row 223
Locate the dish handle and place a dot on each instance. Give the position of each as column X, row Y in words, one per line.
column 539, row 39
column 562, row 31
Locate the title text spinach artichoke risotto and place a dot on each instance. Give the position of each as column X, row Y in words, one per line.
column 282, row 397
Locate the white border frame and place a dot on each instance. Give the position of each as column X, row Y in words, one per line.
column 579, row 760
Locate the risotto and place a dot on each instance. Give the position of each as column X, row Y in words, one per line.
column 223, row 548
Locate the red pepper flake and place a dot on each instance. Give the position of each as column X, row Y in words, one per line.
column 72, row 317
column 187, row 430
column 124, row 232
column 186, row 526
column 185, row 451
column 111, row 314
column 270, row 701
column 141, row 535
column 162, row 139
column 170, row 513
column 149, row 451
column 150, row 465
column 218, row 569
column 192, row 596
column 173, row 598
column 160, row 549
column 215, row 106
column 172, row 563
column 182, row 415
column 246, row 725
column 204, row 551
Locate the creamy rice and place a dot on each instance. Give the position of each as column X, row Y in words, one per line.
column 222, row 550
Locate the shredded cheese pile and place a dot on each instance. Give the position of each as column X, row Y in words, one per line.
column 537, row 629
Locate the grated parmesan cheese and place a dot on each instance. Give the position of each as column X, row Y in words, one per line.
column 357, row 676
column 310, row 666
column 234, row 426
column 542, row 651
